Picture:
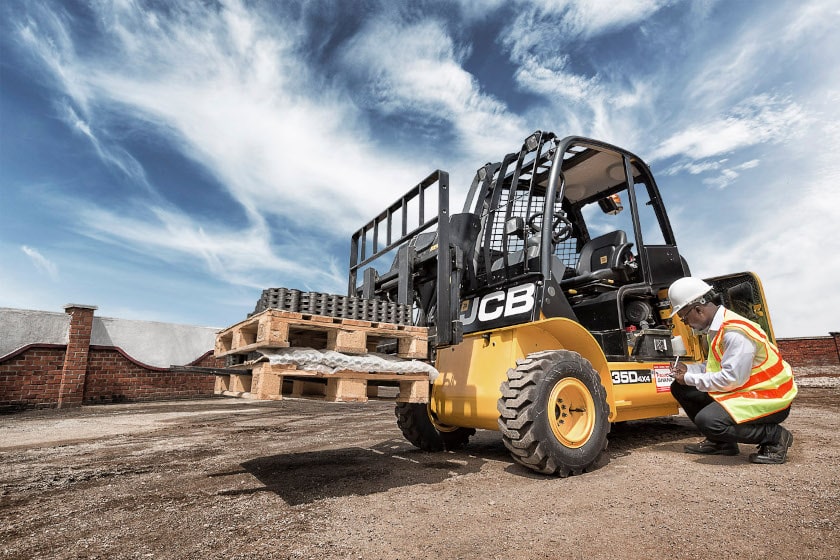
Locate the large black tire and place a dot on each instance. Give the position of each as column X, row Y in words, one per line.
column 417, row 427
column 554, row 414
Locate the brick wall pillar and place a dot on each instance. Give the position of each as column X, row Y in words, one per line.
column 836, row 337
column 72, row 390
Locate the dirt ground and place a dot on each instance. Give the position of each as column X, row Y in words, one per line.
column 230, row 478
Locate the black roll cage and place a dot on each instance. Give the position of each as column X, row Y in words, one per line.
column 539, row 166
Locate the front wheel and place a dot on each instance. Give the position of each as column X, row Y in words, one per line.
column 554, row 415
column 416, row 425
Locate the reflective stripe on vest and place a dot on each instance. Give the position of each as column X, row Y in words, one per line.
column 770, row 387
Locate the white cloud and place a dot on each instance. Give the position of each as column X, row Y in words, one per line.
column 770, row 47
column 564, row 21
column 46, row 35
column 729, row 175
column 241, row 257
column 588, row 18
column 41, row 262
column 416, row 68
column 112, row 155
column 699, row 167
column 810, row 20
column 694, row 168
column 607, row 102
column 477, row 10
column 550, row 78
column 784, row 244
column 780, row 232
column 759, row 119
column 230, row 91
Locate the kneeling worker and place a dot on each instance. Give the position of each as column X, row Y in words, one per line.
column 744, row 390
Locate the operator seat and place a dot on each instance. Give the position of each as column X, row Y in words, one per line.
column 601, row 262
column 532, row 252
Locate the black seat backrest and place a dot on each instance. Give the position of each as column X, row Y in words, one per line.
column 516, row 257
column 602, row 252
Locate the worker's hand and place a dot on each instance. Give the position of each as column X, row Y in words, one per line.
column 678, row 373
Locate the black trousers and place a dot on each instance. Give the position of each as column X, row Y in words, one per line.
column 717, row 425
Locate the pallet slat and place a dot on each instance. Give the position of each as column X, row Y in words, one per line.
column 266, row 381
column 273, row 328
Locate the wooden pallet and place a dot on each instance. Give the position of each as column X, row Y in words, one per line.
column 274, row 328
column 234, row 384
column 272, row 382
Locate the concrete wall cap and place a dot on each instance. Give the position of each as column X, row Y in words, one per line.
column 80, row 306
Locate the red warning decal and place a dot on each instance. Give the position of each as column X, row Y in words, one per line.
column 662, row 376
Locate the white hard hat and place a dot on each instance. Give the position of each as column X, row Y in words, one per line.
column 686, row 291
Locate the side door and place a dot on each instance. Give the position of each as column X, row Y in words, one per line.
column 743, row 293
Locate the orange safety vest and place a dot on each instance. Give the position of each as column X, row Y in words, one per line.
column 770, row 387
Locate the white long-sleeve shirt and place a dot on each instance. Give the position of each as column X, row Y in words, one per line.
column 735, row 365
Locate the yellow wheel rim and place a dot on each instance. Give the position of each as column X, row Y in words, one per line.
column 571, row 412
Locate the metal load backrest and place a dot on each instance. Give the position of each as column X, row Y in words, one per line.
column 421, row 251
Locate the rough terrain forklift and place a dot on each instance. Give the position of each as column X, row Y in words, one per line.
column 545, row 298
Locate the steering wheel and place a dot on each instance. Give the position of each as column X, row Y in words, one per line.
column 627, row 263
column 561, row 227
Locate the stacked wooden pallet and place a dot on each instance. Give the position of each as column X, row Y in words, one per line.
column 273, row 329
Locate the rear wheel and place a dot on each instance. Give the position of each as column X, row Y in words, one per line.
column 554, row 414
column 417, row 427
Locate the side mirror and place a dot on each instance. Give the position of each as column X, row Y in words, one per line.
column 515, row 226
column 611, row 204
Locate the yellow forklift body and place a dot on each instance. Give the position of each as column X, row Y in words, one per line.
column 467, row 391
column 641, row 390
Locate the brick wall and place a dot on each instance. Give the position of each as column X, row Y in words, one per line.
column 49, row 375
column 57, row 375
column 31, row 378
column 114, row 377
column 817, row 351
column 72, row 388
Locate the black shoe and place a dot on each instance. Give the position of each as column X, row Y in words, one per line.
column 773, row 453
column 709, row 447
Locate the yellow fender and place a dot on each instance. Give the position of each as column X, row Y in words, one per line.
column 575, row 338
column 467, row 391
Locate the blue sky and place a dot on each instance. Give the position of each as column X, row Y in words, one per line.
column 168, row 163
